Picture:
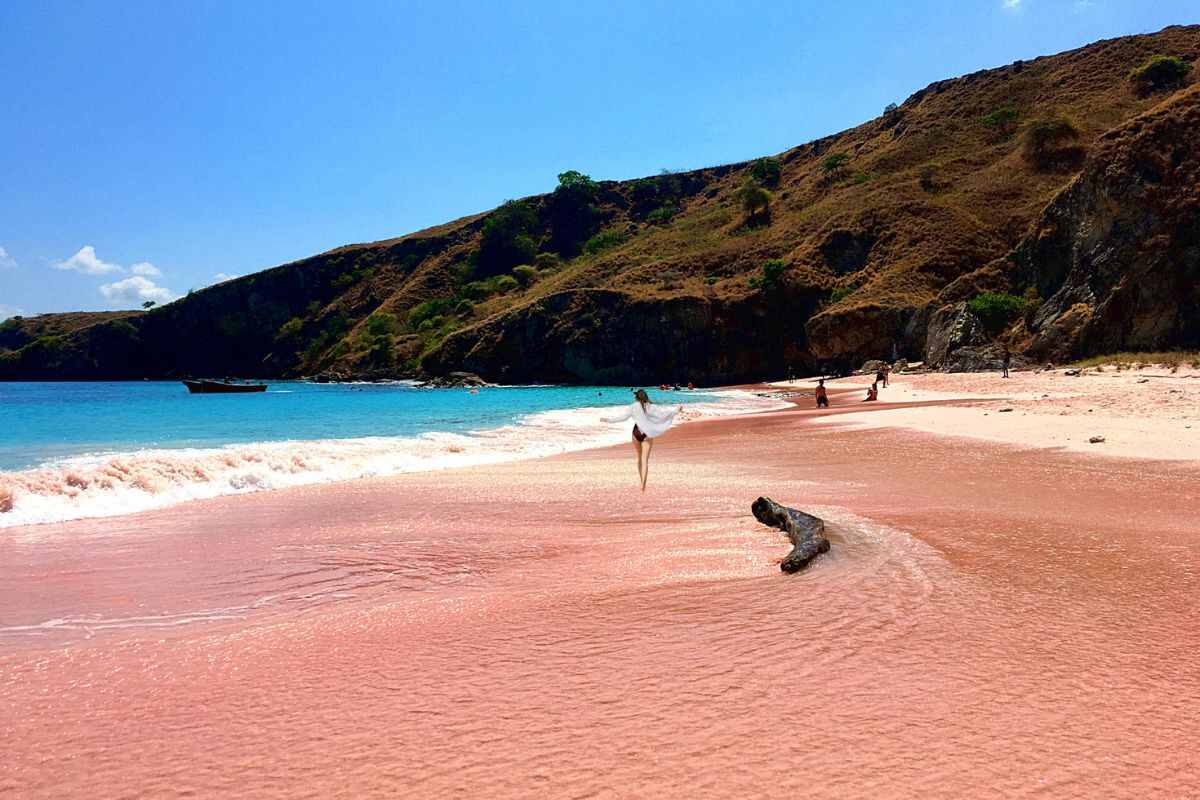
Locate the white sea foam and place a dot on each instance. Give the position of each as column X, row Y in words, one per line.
column 125, row 483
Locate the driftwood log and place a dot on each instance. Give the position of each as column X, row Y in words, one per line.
column 806, row 532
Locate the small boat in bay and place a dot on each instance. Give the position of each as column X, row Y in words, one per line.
column 222, row 387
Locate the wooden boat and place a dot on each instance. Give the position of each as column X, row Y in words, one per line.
column 223, row 387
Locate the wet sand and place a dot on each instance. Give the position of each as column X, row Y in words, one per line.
column 994, row 621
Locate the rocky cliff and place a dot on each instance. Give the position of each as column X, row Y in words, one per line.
column 1057, row 183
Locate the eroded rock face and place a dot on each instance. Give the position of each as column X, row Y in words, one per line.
column 1117, row 253
column 608, row 337
column 951, row 328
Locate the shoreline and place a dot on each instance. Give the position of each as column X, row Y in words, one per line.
column 541, row 627
column 113, row 484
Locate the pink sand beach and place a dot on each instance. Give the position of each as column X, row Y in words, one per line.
column 998, row 617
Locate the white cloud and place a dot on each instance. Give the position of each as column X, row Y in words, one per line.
column 1013, row 5
column 6, row 262
column 9, row 311
column 221, row 277
column 135, row 291
column 87, row 263
column 1083, row 5
column 146, row 269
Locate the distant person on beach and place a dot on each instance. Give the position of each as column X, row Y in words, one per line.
column 649, row 422
column 872, row 393
column 822, row 395
column 1007, row 361
column 887, row 372
column 880, row 376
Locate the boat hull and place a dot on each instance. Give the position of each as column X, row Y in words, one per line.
column 218, row 387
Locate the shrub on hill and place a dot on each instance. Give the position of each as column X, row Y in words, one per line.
column 835, row 163
column 754, row 200
column 505, row 241
column 381, row 323
column 1159, row 73
column 382, row 352
column 772, row 273
column 547, row 262
column 423, row 312
column 1048, row 142
column 1002, row 122
column 504, row 284
column 525, row 274
column 604, row 240
column 766, row 172
column 997, row 309
column 465, row 308
column 290, row 330
column 358, row 273
column 663, row 214
column 840, row 293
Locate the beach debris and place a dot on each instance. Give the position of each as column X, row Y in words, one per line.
column 1074, row 373
column 1004, row 410
column 1096, row 439
column 806, row 532
column 1143, row 380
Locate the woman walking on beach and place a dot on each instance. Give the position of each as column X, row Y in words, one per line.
column 649, row 422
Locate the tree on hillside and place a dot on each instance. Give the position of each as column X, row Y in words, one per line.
column 571, row 212
column 1160, row 73
column 505, row 241
column 755, row 202
column 573, row 181
column 149, row 304
column 834, row 165
column 766, row 172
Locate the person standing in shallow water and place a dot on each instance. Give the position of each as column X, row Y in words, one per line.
column 821, row 394
column 649, row 422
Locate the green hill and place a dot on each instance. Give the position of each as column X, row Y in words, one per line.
column 1050, row 205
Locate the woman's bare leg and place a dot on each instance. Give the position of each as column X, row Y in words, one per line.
column 646, row 462
column 637, row 447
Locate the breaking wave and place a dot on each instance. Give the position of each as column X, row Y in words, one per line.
column 112, row 484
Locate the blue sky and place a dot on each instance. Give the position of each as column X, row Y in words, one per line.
column 147, row 148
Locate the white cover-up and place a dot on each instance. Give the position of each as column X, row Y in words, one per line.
column 653, row 420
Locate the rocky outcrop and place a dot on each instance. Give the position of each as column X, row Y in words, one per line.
column 804, row 531
column 455, row 380
column 1117, row 253
column 951, row 328
column 608, row 337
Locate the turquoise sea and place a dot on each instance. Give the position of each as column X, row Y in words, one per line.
column 70, row 450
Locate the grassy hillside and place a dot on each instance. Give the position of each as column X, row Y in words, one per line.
column 840, row 249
